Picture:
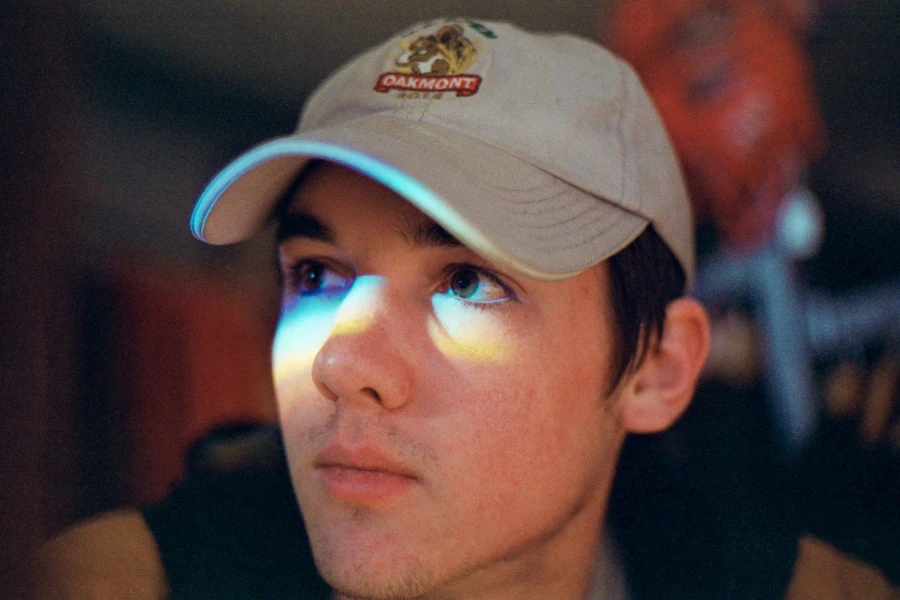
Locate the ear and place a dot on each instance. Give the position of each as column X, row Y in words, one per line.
column 659, row 391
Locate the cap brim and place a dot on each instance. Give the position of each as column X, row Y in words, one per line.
column 500, row 206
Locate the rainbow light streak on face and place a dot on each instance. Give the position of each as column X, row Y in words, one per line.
column 466, row 332
column 459, row 330
column 307, row 323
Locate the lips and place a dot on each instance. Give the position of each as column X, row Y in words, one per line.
column 362, row 475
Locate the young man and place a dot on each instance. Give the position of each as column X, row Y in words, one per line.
column 484, row 242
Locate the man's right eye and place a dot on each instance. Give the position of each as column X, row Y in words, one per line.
column 312, row 278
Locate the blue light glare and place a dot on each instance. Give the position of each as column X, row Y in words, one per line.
column 307, row 322
column 302, row 330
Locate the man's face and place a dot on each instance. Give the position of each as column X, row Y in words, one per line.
column 445, row 421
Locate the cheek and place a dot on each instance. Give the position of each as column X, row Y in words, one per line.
column 516, row 420
column 535, row 372
column 559, row 388
column 522, row 458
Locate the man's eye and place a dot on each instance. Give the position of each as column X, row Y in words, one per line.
column 474, row 285
column 310, row 278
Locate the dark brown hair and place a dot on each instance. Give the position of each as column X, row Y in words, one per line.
column 644, row 277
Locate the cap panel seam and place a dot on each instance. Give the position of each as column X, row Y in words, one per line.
column 626, row 147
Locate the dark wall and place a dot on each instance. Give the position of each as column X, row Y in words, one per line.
column 38, row 257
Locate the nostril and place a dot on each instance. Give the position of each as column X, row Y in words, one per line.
column 371, row 392
column 324, row 389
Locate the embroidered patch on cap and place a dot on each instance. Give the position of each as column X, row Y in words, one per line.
column 437, row 62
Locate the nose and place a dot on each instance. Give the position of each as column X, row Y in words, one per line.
column 365, row 358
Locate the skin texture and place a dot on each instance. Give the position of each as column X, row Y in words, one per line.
column 448, row 427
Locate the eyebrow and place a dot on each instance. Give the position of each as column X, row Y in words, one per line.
column 420, row 234
column 430, row 235
column 292, row 225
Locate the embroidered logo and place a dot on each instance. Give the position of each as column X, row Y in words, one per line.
column 434, row 63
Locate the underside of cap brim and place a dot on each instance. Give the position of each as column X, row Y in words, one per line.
column 239, row 201
column 504, row 208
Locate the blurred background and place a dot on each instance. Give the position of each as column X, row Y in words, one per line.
column 123, row 340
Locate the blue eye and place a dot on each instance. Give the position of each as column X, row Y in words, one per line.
column 474, row 285
column 312, row 278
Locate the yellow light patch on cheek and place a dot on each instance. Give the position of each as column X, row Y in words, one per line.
column 351, row 326
column 467, row 333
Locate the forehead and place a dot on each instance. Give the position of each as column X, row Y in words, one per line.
column 329, row 186
column 329, row 194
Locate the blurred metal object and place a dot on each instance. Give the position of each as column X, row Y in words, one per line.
column 801, row 225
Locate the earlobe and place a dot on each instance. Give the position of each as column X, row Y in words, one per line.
column 659, row 391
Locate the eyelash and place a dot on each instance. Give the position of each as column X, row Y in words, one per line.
column 293, row 275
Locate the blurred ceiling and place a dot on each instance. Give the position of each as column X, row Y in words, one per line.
column 263, row 47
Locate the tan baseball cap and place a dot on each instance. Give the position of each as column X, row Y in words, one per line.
column 543, row 153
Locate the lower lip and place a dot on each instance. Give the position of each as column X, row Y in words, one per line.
column 356, row 486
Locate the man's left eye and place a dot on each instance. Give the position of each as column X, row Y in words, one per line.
column 474, row 285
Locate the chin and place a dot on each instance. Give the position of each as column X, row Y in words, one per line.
column 355, row 576
column 360, row 557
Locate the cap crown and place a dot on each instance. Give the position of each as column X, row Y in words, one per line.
column 558, row 102
column 541, row 152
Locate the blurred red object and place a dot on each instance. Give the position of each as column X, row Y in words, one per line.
column 733, row 85
column 191, row 353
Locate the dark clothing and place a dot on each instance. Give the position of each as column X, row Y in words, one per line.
column 235, row 536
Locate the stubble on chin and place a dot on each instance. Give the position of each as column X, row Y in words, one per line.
column 354, row 584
